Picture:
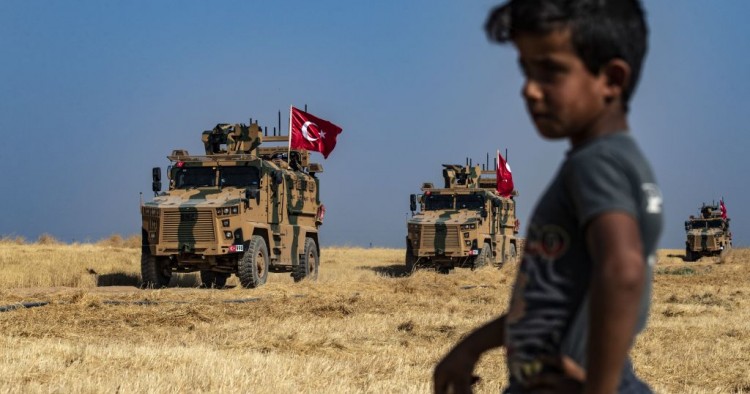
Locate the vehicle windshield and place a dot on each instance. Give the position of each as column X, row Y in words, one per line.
column 187, row 177
column 239, row 176
column 702, row 224
column 434, row 202
column 469, row 201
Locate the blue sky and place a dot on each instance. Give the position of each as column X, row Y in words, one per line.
column 95, row 93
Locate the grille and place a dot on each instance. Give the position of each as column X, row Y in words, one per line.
column 431, row 236
column 703, row 241
column 191, row 226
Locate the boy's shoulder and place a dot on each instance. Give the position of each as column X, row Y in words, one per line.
column 619, row 149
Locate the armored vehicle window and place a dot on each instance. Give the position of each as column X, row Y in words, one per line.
column 239, row 176
column 195, row 177
column 469, row 201
column 435, row 202
column 704, row 224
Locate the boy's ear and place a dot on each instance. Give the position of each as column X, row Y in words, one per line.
column 617, row 77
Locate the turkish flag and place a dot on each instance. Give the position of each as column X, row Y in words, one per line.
column 723, row 209
column 504, row 177
column 312, row 133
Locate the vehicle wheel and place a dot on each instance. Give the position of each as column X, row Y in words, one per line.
column 484, row 257
column 513, row 253
column 213, row 279
column 155, row 272
column 309, row 263
column 252, row 269
column 410, row 259
column 689, row 256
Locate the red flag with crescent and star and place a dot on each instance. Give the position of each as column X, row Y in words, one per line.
column 312, row 133
column 723, row 209
column 504, row 177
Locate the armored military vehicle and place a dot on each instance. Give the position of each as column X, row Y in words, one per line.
column 239, row 209
column 707, row 234
column 464, row 224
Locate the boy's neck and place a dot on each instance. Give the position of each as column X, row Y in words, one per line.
column 610, row 122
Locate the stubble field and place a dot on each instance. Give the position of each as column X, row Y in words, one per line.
column 364, row 326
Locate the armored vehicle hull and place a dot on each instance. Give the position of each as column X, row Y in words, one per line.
column 708, row 234
column 233, row 212
column 463, row 225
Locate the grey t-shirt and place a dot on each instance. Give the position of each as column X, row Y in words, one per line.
column 548, row 315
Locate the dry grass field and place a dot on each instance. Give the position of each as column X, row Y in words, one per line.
column 364, row 326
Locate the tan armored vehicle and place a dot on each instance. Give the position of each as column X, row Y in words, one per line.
column 239, row 209
column 708, row 234
column 464, row 224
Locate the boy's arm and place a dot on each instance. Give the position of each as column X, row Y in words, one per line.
column 617, row 284
column 456, row 368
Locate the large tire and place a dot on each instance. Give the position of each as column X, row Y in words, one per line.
column 252, row 269
column 308, row 263
column 410, row 259
column 484, row 257
column 513, row 253
column 155, row 271
column 213, row 279
column 689, row 255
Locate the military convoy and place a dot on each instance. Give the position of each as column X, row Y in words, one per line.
column 707, row 234
column 239, row 209
column 464, row 224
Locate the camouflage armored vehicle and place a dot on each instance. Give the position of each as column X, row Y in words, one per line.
column 707, row 234
column 239, row 209
column 464, row 224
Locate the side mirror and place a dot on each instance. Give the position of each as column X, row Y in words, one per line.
column 483, row 213
column 156, row 180
column 278, row 177
column 413, row 202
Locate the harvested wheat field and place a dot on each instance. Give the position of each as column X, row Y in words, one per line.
column 364, row 326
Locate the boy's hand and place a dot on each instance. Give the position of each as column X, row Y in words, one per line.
column 454, row 373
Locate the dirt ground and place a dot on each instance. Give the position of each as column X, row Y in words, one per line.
column 364, row 326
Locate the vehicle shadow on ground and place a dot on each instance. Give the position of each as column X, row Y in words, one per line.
column 117, row 279
column 125, row 279
column 679, row 256
column 392, row 271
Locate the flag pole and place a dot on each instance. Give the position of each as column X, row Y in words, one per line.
column 289, row 139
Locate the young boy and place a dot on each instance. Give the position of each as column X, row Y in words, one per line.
column 584, row 285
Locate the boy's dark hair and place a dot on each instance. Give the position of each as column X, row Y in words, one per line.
column 601, row 30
